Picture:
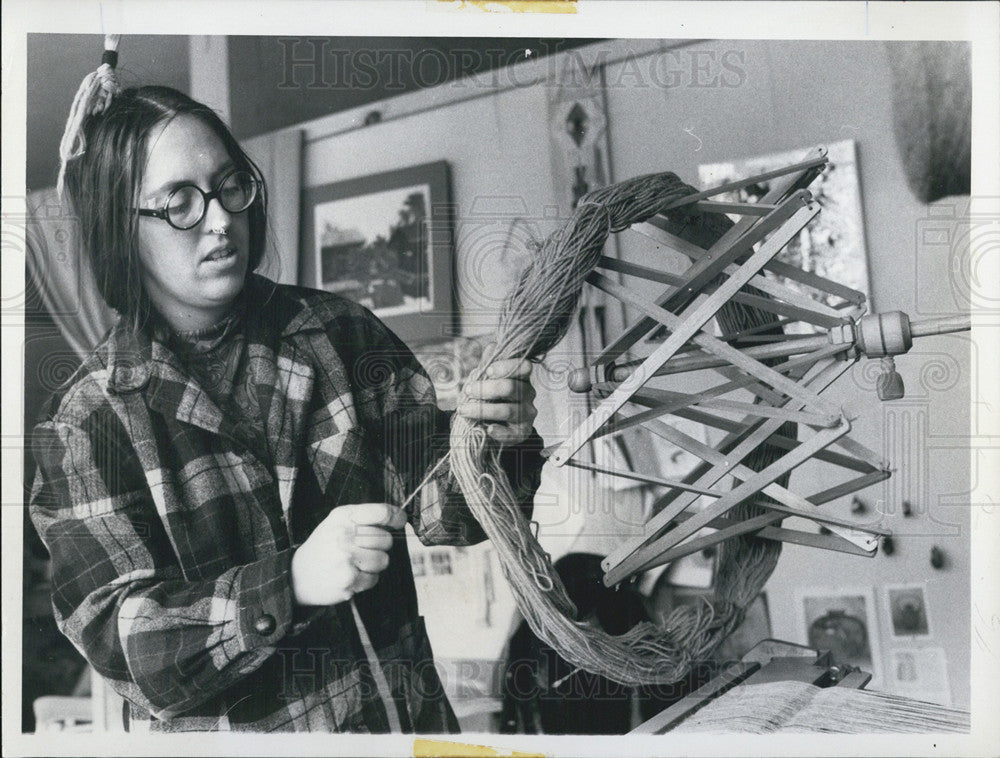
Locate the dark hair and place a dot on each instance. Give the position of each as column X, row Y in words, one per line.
column 103, row 187
column 583, row 578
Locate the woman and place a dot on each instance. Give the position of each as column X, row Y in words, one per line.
column 226, row 470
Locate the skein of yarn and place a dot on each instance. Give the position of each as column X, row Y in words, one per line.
column 535, row 317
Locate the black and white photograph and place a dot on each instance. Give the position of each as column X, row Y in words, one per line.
column 382, row 264
column 554, row 378
column 384, row 241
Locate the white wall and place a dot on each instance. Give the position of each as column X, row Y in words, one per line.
column 790, row 95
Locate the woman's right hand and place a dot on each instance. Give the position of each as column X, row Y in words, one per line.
column 345, row 554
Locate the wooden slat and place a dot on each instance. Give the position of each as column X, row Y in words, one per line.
column 767, row 394
column 691, row 414
column 745, row 439
column 792, row 536
column 700, row 360
column 827, row 456
column 807, row 314
column 743, row 209
column 785, row 443
column 814, row 161
column 677, row 244
column 687, row 327
column 810, row 539
column 818, row 282
column 736, row 448
column 818, row 376
column 637, row 270
column 786, row 501
column 774, row 288
column 863, row 453
column 735, row 242
column 846, row 488
column 617, row 572
column 704, row 475
column 669, row 553
column 777, row 440
column 660, row 405
column 758, row 410
column 747, row 443
column 805, row 309
column 645, row 478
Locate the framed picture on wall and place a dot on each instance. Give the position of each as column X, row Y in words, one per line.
column 907, row 610
column 833, row 245
column 385, row 241
column 844, row 623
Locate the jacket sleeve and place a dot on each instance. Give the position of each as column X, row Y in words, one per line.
column 164, row 641
column 415, row 438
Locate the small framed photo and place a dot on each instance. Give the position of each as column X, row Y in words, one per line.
column 906, row 606
column 385, row 241
column 920, row 673
column 844, row 623
column 833, row 245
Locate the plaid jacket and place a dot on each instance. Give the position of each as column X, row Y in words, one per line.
column 171, row 525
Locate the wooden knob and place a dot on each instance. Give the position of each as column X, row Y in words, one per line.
column 579, row 380
column 889, row 384
column 883, row 334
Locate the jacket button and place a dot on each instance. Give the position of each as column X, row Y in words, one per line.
column 265, row 624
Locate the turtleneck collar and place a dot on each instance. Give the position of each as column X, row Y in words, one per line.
column 202, row 340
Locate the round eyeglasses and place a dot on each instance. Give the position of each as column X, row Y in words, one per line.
column 187, row 205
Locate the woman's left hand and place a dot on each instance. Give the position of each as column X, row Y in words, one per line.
column 503, row 399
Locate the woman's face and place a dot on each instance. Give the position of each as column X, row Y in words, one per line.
column 191, row 275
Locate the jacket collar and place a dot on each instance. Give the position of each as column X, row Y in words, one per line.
column 137, row 362
column 129, row 357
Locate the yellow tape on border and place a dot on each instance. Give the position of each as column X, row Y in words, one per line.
column 442, row 749
column 510, row 6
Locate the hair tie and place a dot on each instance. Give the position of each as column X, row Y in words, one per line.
column 93, row 97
